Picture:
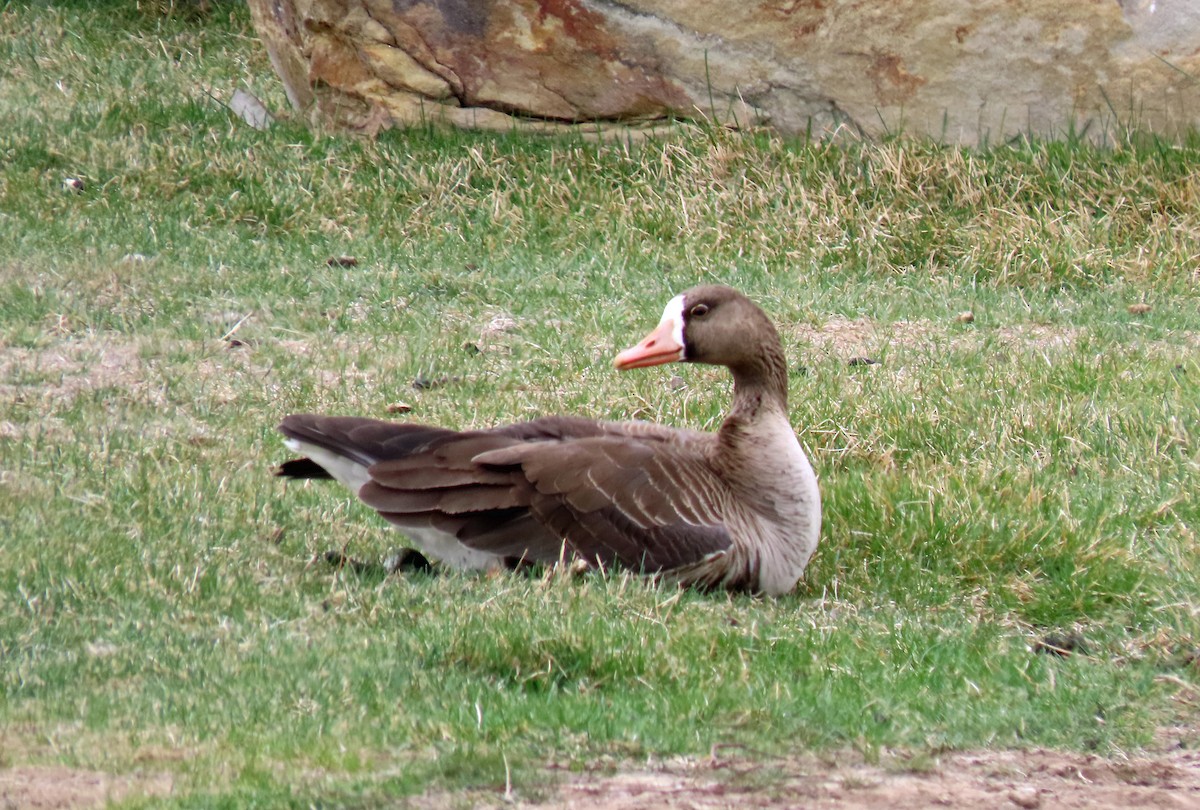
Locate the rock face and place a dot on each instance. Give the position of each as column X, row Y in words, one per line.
column 960, row 70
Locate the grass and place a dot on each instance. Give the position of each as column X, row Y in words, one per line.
column 1030, row 472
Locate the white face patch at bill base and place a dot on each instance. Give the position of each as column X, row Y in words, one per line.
column 673, row 312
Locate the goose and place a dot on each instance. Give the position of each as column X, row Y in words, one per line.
column 738, row 509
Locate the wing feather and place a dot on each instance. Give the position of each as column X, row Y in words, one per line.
column 645, row 503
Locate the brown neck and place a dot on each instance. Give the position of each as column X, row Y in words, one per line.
column 747, row 435
column 759, row 386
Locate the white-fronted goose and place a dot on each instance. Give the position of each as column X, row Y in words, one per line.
column 736, row 509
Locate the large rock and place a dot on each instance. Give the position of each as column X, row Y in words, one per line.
column 962, row 70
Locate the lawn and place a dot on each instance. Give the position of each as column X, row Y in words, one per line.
column 1009, row 554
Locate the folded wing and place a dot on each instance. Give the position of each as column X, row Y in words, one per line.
column 632, row 494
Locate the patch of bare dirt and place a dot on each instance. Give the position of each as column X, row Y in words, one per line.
column 1038, row 336
column 53, row 787
column 844, row 337
column 66, row 369
column 1004, row 780
column 864, row 337
column 61, row 371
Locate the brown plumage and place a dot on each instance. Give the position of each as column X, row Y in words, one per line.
column 736, row 509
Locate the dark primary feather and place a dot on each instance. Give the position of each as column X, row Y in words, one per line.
column 363, row 440
column 302, row 468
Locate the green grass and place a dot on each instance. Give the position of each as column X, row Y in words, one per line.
column 1033, row 471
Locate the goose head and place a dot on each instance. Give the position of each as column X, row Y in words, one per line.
column 712, row 324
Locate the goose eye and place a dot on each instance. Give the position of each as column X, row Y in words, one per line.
column 699, row 311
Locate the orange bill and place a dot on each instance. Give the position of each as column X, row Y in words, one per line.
column 658, row 347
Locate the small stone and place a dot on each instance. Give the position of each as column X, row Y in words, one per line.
column 966, row 316
column 1025, row 797
column 247, row 107
column 1139, row 309
column 677, row 383
column 101, row 649
column 499, row 325
column 399, row 407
